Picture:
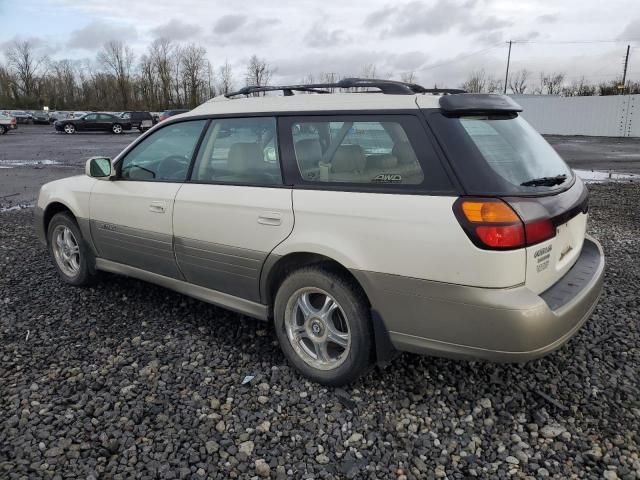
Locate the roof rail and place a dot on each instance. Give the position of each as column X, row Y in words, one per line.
column 391, row 87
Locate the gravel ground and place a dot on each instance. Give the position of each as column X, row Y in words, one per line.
column 127, row 380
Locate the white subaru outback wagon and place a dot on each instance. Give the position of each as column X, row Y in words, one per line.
column 361, row 224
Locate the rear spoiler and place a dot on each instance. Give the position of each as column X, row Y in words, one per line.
column 461, row 103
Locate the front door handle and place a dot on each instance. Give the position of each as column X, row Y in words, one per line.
column 157, row 206
column 270, row 218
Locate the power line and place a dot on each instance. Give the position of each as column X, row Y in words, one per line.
column 571, row 42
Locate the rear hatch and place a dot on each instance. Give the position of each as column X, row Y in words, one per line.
column 495, row 153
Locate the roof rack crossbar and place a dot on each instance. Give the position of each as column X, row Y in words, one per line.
column 392, row 87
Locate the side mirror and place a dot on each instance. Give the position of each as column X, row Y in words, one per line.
column 98, row 167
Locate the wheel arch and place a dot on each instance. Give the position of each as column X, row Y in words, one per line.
column 276, row 269
column 50, row 210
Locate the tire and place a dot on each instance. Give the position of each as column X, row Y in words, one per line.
column 301, row 335
column 3, row 129
column 69, row 128
column 75, row 263
column 117, row 128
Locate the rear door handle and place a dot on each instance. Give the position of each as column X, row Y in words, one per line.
column 270, row 218
column 157, row 206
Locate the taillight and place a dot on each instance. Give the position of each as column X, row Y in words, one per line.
column 491, row 223
column 13, row 120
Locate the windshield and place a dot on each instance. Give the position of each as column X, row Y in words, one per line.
column 502, row 154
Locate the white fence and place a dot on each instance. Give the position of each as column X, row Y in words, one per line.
column 607, row 116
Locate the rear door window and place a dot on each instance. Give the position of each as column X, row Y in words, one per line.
column 381, row 152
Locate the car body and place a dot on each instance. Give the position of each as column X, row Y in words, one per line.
column 170, row 113
column 7, row 123
column 41, row 117
column 93, row 122
column 141, row 120
column 21, row 116
column 432, row 222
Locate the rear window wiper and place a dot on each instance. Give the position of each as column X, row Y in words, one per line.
column 545, row 181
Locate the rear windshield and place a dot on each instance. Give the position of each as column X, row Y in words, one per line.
column 501, row 154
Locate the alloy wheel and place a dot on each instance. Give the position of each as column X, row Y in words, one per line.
column 317, row 328
column 66, row 250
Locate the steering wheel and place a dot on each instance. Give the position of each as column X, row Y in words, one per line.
column 173, row 167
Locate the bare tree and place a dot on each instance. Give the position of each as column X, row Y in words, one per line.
column 225, row 78
column 551, row 84
column 194, row 64
column 161, row 55
column 21, row 58
column 518, row 81
column 117, row 58
column 476, row 82
column 259, row 72
column 408, row 77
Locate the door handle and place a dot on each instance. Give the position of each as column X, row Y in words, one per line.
column 270, row 218
column 157, row 206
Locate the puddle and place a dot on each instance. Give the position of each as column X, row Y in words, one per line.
column 26, row 163
column 593, row 176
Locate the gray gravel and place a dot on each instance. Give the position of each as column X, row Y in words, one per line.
column 127, row 380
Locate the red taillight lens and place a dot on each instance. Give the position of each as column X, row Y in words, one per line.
column 539, row 231
column 492, row 223
column 508, row 236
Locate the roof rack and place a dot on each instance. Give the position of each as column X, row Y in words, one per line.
column 391, row 87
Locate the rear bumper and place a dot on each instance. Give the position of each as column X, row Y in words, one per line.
column 504, row 325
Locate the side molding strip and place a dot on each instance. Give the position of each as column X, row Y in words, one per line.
column 240, row 305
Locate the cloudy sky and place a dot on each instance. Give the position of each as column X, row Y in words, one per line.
column 440, row 40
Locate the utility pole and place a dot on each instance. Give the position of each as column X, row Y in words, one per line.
column 624, row 73
column 506, row 75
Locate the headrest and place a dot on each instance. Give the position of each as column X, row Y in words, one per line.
column 243, row 156
column 405, row 154
column 308, row 152
column 348, row 158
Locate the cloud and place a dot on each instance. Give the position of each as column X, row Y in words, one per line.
column 632, row 31
column 253, row 32
column 547, row 18
column 229, row 23
column 176, row 30
column 97, row 33
column 320, row 36
column 415, row 17
column 41, row 46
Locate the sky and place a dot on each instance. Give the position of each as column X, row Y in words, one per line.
column 441, row 41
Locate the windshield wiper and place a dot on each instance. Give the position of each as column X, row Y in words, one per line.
column 545, row 181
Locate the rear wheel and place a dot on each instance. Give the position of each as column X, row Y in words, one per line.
column 323, row 325
column 116, row 128
column 71, row 254
column 3, row 129
column 69, row 128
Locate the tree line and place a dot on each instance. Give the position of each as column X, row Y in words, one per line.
column 555, row 83
column 175, row 75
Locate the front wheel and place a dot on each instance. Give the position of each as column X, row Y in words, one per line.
column 322, row 321
column 116, row 128
column 69, row 128
column 3, row 129
column 70, row 253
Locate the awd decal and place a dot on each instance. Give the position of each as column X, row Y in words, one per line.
column 108, row 226
column 387, row 178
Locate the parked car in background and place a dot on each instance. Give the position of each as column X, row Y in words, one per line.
column 93, row 122
column 426, row 220
column 57, row 115
column 7, row 123
column 21, row 116
column 41, row 117
column 140, row 120
column 170, row 113
column 78, row 114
